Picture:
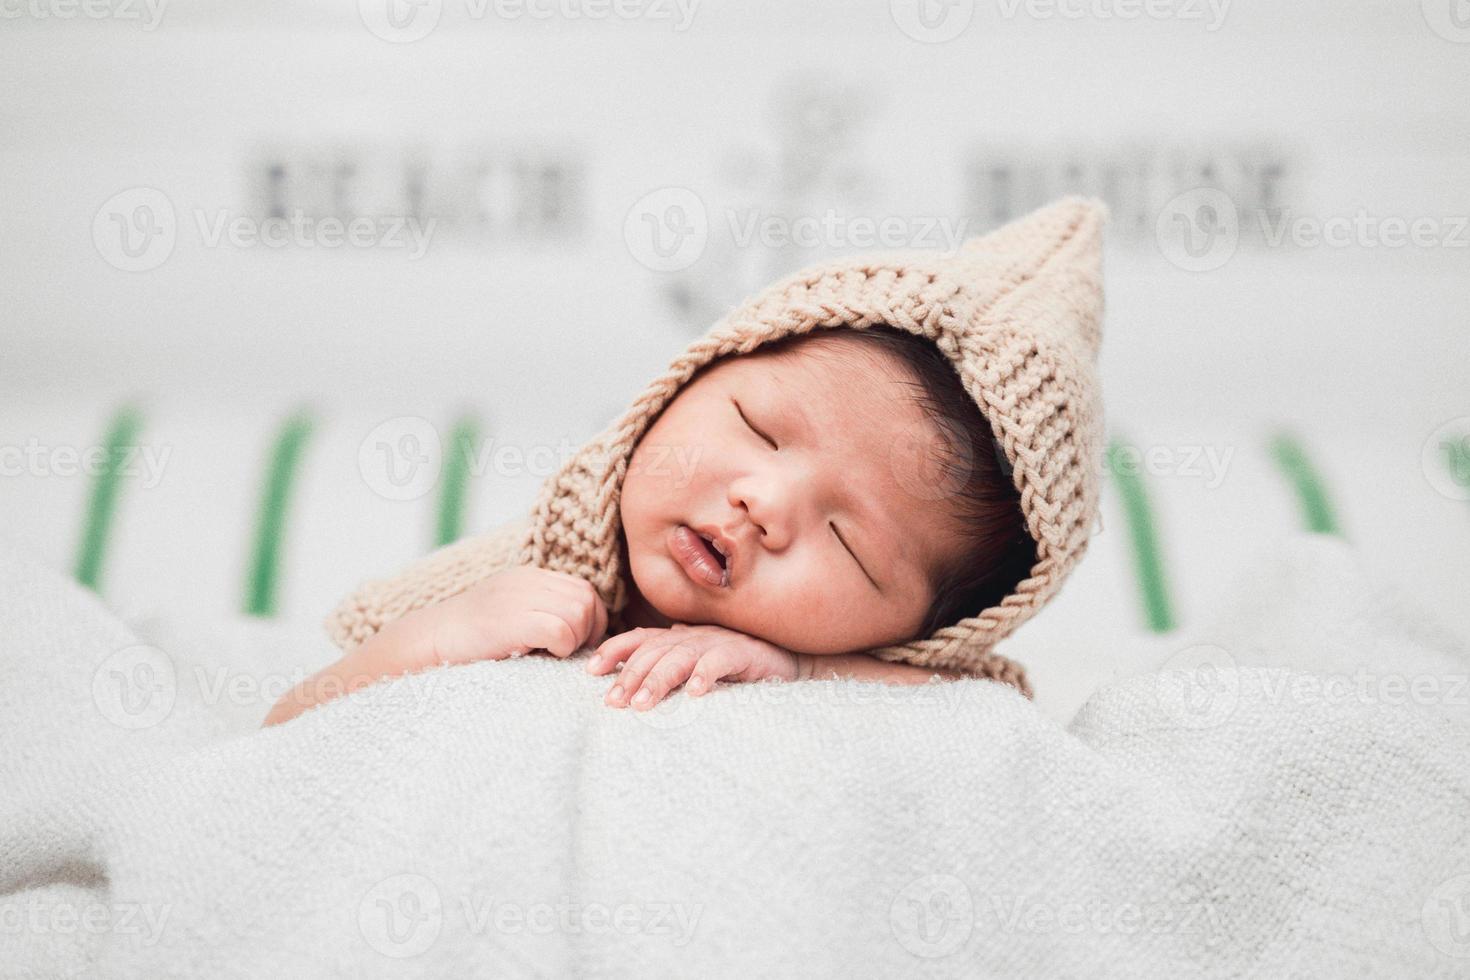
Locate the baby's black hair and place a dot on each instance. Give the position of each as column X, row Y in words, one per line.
column 981, row 494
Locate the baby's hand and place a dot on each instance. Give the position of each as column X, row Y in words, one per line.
column 514, row 612
column 659, row 660
column 510, row 613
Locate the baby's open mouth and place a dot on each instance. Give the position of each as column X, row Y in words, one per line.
column 700, row 556
column 714, row 546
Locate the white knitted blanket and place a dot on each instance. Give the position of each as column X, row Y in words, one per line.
column 497, row 820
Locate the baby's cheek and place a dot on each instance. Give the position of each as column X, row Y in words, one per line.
column 819, row 617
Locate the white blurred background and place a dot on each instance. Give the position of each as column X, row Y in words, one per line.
column 558, row 196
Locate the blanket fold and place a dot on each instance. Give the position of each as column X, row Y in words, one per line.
column 1221, row 817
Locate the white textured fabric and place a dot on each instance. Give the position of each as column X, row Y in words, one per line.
column 496, row 819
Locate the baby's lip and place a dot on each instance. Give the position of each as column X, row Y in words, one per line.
column 723, row 544
column 696, row 558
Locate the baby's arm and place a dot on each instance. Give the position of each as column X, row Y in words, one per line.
column 658, row 660
column 510, row 613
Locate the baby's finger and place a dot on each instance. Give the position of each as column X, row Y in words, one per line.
column 672, row 669
column 578, row 613
column 615, row 649
column 549, row 630
column 717, row 663
column 638, row 666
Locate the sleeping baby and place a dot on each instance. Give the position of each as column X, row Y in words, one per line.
column 875, row 469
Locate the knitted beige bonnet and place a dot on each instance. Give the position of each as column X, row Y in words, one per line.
column 1017, row 311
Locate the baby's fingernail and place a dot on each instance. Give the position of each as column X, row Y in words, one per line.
column 594, row 665
column 696, row 684
column 616, row 694
column 641, row 697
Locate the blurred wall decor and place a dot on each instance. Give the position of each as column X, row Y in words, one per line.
column 261, row 240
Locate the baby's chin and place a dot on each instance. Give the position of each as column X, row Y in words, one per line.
column 669, row 594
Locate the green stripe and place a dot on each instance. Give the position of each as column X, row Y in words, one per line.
column 456, row 474
column 1457, row 460
column 1147, row 559
column 1292, row 460
column 261, row 599
column 122, row 435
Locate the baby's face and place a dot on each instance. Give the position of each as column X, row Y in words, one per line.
column 802, row 464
